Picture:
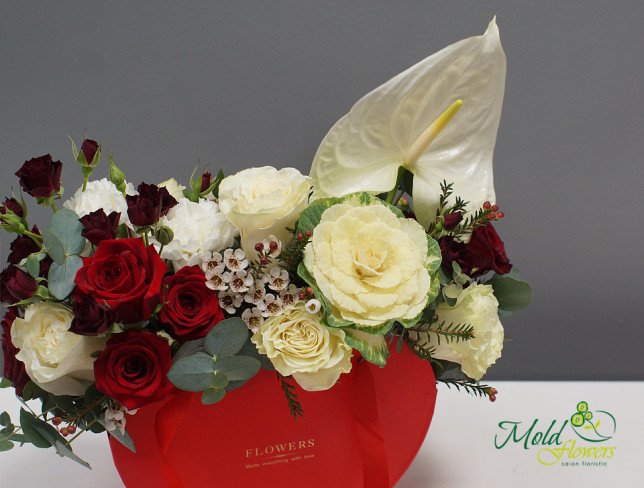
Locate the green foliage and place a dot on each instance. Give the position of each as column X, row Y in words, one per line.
column 63, row 236
column 372, row 347
column 124, row 438
column 61, row 276
column 468, row 385
column 222, row 362
column 512, row 293
column 294, row 405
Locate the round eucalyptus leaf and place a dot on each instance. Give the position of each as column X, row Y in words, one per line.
column 238, row 367
column 192, row 373
column 212, row 395
column 227, row 337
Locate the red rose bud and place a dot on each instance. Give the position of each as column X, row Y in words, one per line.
column 16, row 285
column 12, row 205
column 206, row 179
column 487, row 252
column 132, row 368
column 149, row 205
column 14, row 369
column 90, row 318
column 40, row 177
column 190, row 308
column 22, row 246
column 98, row 227
column 450, row 221
column 124, row 275
column 89, row 148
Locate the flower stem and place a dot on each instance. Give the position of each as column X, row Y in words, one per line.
column 392, row 193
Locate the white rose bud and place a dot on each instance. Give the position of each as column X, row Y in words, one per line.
column 175, row 189
column 298, row 344
column 57, row 360
column 263, row 201
column 478, row 307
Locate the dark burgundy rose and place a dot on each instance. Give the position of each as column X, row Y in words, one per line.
column 487, row 252
column 190, row 309
column 16, row 285
column 206, row 179
column 89, row 148
column 12, row 205
column 149, row 205
column 452, row 220
column 21, row 247
column 91, row 318
column 133, row 368
column 40, row 177
column 98, row 227
column 454, row 250
column 14, row 369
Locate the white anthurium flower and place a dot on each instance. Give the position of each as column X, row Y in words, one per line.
column 438, row 119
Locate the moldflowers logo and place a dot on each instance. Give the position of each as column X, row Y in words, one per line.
column 583, row 439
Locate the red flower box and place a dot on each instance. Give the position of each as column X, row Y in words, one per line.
column 364, row 432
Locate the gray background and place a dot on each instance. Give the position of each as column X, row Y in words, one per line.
column 165, row 85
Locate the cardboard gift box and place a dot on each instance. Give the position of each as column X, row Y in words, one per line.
column 364, row 432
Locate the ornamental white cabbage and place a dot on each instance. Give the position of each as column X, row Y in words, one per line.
column 263, row 201
column 298, row 344
column 406, row 122
column 369, row 264
column 478, row 307
column 57, row 360
column 199, row 229
column 100, row 194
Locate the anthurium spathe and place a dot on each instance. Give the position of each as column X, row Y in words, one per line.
column 438, row 119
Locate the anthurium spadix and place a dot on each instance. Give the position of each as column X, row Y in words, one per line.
column 438, row 119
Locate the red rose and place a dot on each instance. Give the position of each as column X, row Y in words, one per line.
column 454, row 250
column 132, row 368
column 40, row 177
column 14, row 369
column 149, row 205
column 12, row 205
column 125, row 276
column 16, row 285
column 89, row 149
column 98, row 227
column 22, row 247
column 90, row 318
column 190, row 308
column 487, row 252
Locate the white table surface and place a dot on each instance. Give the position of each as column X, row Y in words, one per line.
column 459, row 450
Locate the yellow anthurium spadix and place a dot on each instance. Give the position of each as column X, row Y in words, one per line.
column 438, row 119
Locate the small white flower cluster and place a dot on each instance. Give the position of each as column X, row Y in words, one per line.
column 266, row 286
column 115, row 418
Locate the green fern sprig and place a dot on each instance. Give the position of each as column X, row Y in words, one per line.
column 470, row 386
column 291, row 255
column 294, row 404
column 451, row 332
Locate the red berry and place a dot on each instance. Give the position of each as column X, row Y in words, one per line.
column 259, row 247
column 299, row 236
column 500, row 215
column 301, row 295
column 309, row 233
column 487, row 205
column 71, row 429
column 56, row 421
column 492, row 398
column 495, row 208
column 263, row 260
column 493, row 391
column 273, row 245
column 64, row 432
column 309, row 291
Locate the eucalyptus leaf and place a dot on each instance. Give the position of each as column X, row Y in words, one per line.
column 219, row 380
column 511, row 294
column 123, row 438
column 192, row 373
column 32, row 264
column 61, row 276
column 5, row 419
column 212, row 395
column 250, row 349
column 63, row 235
column 238, row 367
column 227, row 337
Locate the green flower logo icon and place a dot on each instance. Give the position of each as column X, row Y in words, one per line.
column 597, row 426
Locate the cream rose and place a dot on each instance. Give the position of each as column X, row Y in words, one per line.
column 262, row 202
column 298, row 344
column 478, row 307
column 174, row 188
column 55, row 359
column 369, row 264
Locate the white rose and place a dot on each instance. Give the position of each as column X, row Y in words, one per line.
column 100, row 194
column 174, row 188
column 263, row 201
column 55, row 359
column 298, row 344
column 199, row 228
column 370, row 265
column 476, row 306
